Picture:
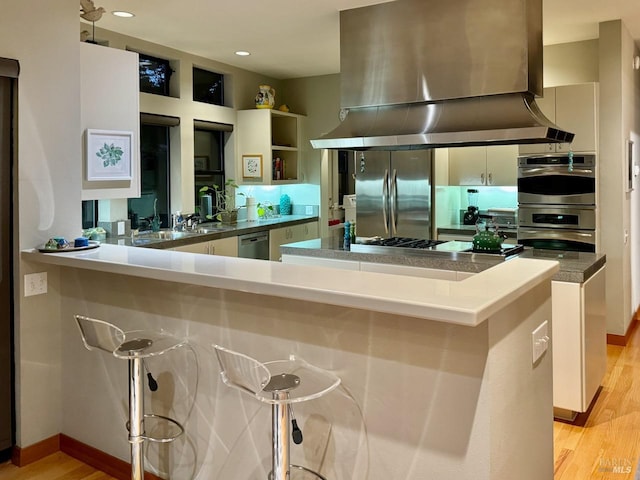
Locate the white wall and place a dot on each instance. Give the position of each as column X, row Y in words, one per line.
column 634, row 107
column 618, row 96
column 569, row 63
column 49, row 177
column 319, row 99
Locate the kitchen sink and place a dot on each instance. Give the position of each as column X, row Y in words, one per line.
column 212, row 228
column 163, row 235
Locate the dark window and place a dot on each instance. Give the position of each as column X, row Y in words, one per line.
column 208, row 87
column 155, row 74
column 208, row 161
column 154, row 178
column 89, row 213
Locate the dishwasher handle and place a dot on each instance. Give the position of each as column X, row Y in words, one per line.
column 254, row 237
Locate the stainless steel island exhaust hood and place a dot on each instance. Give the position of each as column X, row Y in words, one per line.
column 431, row 73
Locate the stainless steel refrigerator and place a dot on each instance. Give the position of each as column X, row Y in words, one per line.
column 8, row 96
column 393, row 193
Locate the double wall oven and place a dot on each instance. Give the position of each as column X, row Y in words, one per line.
column 557, row 202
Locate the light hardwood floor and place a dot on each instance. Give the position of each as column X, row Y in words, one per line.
column 58, row 466
column 607, row 447
column 609, row 438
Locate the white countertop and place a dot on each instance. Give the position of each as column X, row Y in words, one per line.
column 467, row 302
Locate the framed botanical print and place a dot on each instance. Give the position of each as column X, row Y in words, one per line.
column 251, row 166
column 108, row 155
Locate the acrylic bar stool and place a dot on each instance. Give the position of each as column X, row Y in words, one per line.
column 279, row 383
column 133, row 346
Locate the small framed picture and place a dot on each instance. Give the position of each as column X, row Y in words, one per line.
column 108, row 155
column 251, row 166
column 201, row 162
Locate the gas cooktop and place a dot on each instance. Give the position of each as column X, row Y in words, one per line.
column 404, row 242
column 418, row 246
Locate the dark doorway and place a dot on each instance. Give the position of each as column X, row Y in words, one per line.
column 8, row 107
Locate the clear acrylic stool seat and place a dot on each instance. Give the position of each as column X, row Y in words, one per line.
column 279, row 383
column 133, row 346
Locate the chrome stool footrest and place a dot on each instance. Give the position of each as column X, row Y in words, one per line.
column 164, row 419
column 306, row 472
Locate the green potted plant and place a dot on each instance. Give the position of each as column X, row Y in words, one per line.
column 225, row 200
column 265, row 210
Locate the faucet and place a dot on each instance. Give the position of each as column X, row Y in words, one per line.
column 178, row 222
column 195, row 220
column 155, row 221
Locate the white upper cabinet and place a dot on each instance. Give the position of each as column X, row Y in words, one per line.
column 573, row 108
column 276, row 138
column 489, row 166
column 109, row 102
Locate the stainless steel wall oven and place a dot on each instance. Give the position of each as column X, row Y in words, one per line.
column 557, row 180
column 557, row 202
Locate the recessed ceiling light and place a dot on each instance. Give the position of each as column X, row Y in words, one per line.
column 123, row 14
column 242, row 53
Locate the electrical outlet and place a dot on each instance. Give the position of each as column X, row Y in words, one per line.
column 540, row 340
column 35, row 284
column 308, row 210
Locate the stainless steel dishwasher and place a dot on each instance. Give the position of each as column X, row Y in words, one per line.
column 254, row 245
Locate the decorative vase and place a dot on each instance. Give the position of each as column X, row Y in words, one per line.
column 252, row 211
column 206, row 208
column 285, row 204
column 266, row 97
column 228, row 217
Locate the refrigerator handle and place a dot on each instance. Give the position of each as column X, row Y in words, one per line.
column 385, row 201
column 393, row 200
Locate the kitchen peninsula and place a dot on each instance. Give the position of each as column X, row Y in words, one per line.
column 578, row 291
column 438, row 376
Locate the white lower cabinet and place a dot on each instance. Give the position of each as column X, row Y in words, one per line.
column 202, row 247
column 295, row 233
column 227, row 247
column 579, row 341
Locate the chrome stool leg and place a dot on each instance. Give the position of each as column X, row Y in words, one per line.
column 136, row 422
column 281, row 391
column 280, row 437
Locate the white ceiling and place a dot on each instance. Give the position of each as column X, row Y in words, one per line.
column 300, row 38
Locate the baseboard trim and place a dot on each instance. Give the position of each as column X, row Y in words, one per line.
column 98, row 459
column 24, row 456
column 623, row 340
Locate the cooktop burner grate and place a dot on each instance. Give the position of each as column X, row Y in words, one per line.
column 506, row 250
column 418, row 246
column 406, row 242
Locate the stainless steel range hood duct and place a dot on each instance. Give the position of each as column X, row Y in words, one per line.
column 431, row 73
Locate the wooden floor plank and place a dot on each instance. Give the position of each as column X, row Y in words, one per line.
column 607, row 447
column 58, row 466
